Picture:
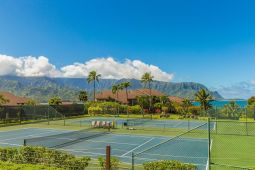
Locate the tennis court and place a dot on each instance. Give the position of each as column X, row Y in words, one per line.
column 169, row 124
column 188, row 150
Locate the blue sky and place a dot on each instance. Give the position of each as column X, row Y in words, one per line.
column 210, row 42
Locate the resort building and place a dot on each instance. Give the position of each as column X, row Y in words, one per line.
column 13, row 100
column 107, row 95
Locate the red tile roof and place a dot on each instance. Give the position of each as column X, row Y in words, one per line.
column 13, row 100
column 132, row 94
column 176, row 99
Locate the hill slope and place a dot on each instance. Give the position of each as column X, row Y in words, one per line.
column 42, row 88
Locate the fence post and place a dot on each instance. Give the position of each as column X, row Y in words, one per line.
column 216, row 125
column 209, row 143
column 246, row 123
column 133, row 161
column 48, row 114
column 108, row 158
column 188, row 123
column 254, row 112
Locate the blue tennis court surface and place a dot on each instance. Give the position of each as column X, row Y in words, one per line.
column 188, row 150
column 175, row 124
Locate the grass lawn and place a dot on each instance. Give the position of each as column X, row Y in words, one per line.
column 232, row 146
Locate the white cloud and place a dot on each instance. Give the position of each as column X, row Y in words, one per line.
column 107, row 67
column 27, row 66
column 240, row 90
column 110, row 68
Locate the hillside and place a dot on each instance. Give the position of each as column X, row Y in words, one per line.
column 42, row 88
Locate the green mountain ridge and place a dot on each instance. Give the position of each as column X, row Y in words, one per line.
column 42, row 88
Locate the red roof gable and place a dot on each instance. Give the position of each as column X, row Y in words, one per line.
column 13, row 100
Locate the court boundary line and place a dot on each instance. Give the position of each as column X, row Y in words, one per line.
column 137, row 147
column 193, row 157
column 111, row 142
column 207, row 164
column 26, row 136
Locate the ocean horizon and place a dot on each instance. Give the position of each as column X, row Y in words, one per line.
column 221, row 103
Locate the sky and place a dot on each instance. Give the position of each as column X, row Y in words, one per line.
column 206, row 41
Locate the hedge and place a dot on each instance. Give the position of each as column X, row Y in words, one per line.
column 41, row 155
column 114, row 163
column 168, row 165
column 13, row 166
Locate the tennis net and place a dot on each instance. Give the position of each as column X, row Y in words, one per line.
column 65, row 139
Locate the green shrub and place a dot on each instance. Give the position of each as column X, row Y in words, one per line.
column 136, row 109
column 13, row 166
column 93, row 110
column 114, row 163
column 168, row 165
column 41, row 155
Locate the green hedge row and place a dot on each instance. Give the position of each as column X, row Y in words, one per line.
column 41, row 155
column 114, row 163
column 13, row 166
column 168, row 165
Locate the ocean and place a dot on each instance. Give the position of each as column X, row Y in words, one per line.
column 221, row 103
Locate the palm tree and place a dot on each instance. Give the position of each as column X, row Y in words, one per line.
column 144, row 102
column 147, row 78
column 83, row 96
column 115, row 90
column 186, row 104
column 3, row 100
column 204, row 99
column 126, row 85
column 93, row 77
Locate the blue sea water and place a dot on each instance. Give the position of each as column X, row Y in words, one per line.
column 221, row 103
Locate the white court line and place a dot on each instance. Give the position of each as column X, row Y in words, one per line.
column 193, row 157
column 10, row 144
column 214, row 127
column 137, row 147
column 23, row 137
column 83, row 150
column 139, row 136
column 14, row 130
column 111, row 142
column 207, row 164
column 177, row 124
column 72, row 150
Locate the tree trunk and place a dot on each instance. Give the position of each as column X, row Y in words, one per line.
column 94, row 90
column 150, row 98
column 127, row 100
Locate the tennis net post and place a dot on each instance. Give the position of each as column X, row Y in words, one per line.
column 108, row 158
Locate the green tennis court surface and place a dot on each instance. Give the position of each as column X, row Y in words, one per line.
column 188, row 150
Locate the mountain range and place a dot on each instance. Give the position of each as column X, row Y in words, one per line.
column 42, row 88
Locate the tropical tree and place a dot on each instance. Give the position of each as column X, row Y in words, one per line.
column 232, row 109
column 186, row 104
column 251, row 101
column 55, row 100
column 3, row 100
column 83, row 96
column 146, row 79
column 31, row 102
column 115, row 90
column 126, row 85
column 204, row 99
column 144, row 102
column 93, row 77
